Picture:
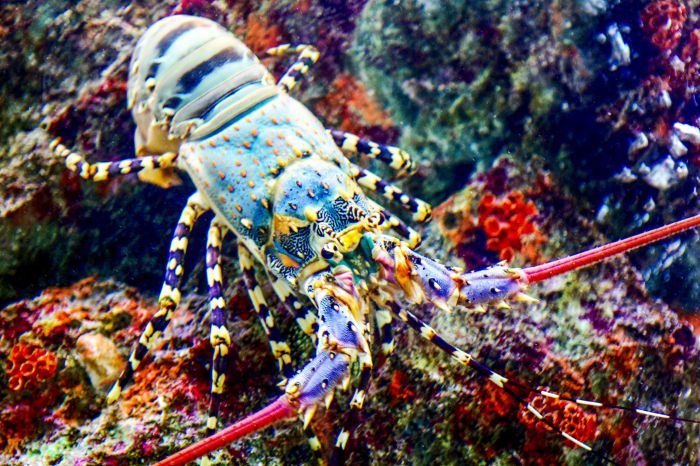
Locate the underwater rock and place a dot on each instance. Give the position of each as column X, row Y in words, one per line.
column 100, row 358
column 459, row 85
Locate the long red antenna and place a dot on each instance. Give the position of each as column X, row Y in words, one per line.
column 278, row 410
column 583, row 259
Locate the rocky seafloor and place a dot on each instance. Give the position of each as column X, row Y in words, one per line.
column 539, row 129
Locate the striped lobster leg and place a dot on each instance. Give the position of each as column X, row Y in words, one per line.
column 399, row 160
column 280, row 348
column 102, row 171
column 307, row 55
column 169, row 295
column 421, row 210
column 219, row 335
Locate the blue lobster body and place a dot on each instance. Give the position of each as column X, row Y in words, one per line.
column 241, row 171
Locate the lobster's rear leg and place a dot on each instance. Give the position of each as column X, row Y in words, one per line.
column 103, row 171
column 421, row 210
column 219, row 336
column 396, row 158
column 306, row 57
column 170, row 293
column 280, row 348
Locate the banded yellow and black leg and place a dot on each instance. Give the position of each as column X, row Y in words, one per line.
column 280, row 348
column 307, row 321
column 219, row 335
column 421, row 210
column 352, row 418
column 102, row 171
column 391, row 221
column 170, row 292
column 382, row 317
column 304, row 316
column 307, row 55
column 399, row 160
column 497, row 380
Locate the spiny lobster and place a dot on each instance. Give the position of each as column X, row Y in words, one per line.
column 278, row 181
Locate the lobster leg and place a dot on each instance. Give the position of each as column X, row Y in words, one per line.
column 352, row 418
column 103, row 171
column 396, row 158
column 383, row 319
column 306, row 57
column 428, row 333
column 169, row 295
column 421, row 210
column 219, row 335
column 391, row 221
column 305, row 317
column 280, row 348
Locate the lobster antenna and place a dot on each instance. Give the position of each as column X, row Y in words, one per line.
column 551, row 269
column 278, row 410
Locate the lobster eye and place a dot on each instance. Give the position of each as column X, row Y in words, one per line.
column 327, row 253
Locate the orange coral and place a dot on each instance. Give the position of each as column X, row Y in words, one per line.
column 567, row 416
column 350, row 107
column 663, row 20
column 29, row 366
column 399, row 388
column 260, row 35
column 505, row 221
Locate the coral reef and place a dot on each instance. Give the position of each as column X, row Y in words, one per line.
column 494, row 218
column 663, row 21
column 577, row 117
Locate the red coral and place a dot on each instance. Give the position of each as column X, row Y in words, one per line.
column 565, row 415
column 260, row 35
column 399, row 388
column 505, row 221
column 663, row 20
column 29, row 366
column 350, row 107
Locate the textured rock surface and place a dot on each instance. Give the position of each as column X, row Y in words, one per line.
column 458, row 86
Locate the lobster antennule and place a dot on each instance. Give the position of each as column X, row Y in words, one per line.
column 551, row 269
column 278, row 410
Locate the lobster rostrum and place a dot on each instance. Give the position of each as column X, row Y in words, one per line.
column 276, row 179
